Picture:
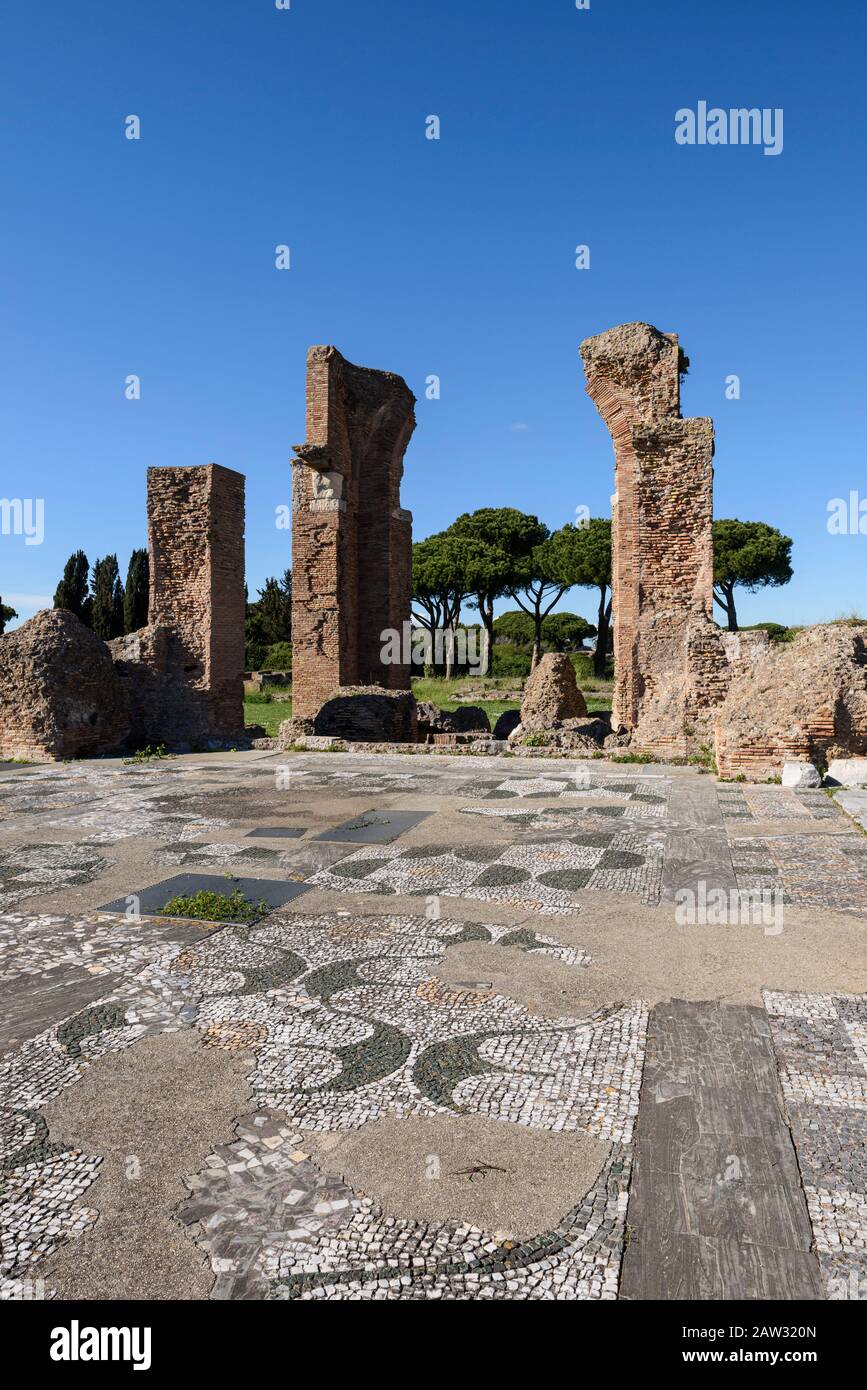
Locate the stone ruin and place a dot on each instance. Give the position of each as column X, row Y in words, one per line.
column 681, row 683
column 351, row 551
column 64, row 693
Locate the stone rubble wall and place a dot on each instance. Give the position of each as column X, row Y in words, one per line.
column 358, row 714
column 60, row 696
column 805, row 701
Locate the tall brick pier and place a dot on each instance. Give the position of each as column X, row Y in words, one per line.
column 351, row 539
column 196, row 549
column 669, row 663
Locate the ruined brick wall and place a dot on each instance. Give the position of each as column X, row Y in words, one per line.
column 179, row 680
column 670, row 665
column 805, row 701
column 351, row 539
column 185, row 669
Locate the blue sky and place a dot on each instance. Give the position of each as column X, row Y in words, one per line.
column 454, row 257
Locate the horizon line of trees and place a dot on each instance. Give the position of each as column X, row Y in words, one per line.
column 484, row 556
column 498, row 552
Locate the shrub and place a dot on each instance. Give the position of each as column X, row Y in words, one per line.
column 278, row 657
column 507, row 660
column 777, row 632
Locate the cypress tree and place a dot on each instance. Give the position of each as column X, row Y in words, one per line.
column 72, row 592
column 135, row 594
column 107, row 599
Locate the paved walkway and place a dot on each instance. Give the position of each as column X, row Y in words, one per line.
column 514, row 1028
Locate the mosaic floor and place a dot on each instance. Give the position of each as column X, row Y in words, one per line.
column 345, row 1017
column 29, row 870
column 540, row 876
column 744, row 803
column 346, row 1021
column 821, row 1043
column 649, row 793
column 810, row 870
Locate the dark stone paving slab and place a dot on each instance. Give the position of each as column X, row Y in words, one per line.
column 55, row 966
column 375, row 827
column 152, row 899
column 716, row 1210
column 274, row 832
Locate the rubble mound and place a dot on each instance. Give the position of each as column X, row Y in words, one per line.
column 551, row 695
column 60, row 696
column 368, row 714
column 806, row 702
column 507, row 723
column 466, row 720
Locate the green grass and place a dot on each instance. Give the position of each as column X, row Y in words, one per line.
column 269, row 713
column 441, row 692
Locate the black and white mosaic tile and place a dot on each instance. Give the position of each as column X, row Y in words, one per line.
column 27, row 871
column 273, row 1225
column 821, row 1046
column 753, row 803
column 347, row 1021
column 541, row 876
column 810, row 870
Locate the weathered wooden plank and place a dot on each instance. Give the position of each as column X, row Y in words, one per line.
column 716, row 1208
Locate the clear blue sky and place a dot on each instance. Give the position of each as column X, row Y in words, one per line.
column 306, row 126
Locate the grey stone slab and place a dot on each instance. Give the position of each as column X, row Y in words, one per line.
column 311, row 856
column 717, row 1209
column 375, row 827
column 854, row 803
column 690, row 1268
column 151, row 899
column 275, row 832
column 697, row 848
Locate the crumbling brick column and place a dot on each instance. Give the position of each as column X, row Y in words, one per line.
column 351, row 539
column 662, row 542
column 196, row 549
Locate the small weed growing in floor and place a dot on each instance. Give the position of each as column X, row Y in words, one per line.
column 209, row 906
column 703, row 759
column 148, row 755
column 631, row 758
